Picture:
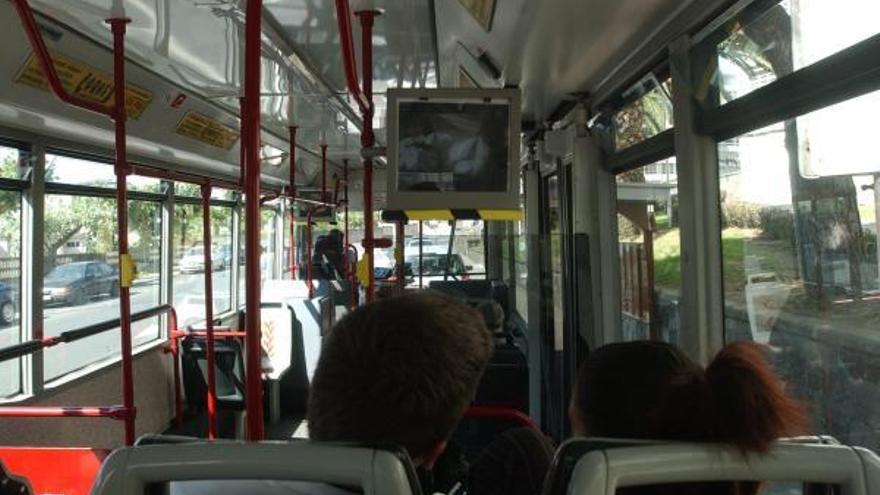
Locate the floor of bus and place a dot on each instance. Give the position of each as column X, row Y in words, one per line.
column 197, row 426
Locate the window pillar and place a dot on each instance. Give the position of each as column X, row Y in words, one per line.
column 702, row 316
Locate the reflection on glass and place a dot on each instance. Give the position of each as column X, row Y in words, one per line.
column 801, row 261
column 81, row 281
column 649, row 252
column 649, row 114
column 768, row 43
column 189, row 261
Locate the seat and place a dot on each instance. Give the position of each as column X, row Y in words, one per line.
column 229, row 373
column 601, row 466
column 286, row 380
column 231, row 467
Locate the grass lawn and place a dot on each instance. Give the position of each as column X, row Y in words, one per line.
column 737, row 244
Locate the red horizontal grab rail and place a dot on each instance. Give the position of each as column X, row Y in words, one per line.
column 503, row 413
column 346, row 40
column 113, row 412
column 203, row 333
column 33, row 33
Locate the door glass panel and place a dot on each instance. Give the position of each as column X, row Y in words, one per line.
column 800, row 202
column 649, row 252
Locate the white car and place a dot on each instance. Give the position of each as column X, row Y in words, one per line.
column 193, row 261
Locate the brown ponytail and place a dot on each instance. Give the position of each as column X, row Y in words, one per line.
column 653, row 390
column 749, row 407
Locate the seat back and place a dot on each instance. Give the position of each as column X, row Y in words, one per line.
column 49, row 470
column 230, row 467
column 601, row 466
column 229, row 368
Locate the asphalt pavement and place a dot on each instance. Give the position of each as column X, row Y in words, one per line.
column 189, row 292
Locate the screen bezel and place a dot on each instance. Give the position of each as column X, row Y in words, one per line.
column 434, row 200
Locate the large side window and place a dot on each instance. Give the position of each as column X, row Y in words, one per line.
column 800, row 201
column 81, row 280
column 10, row 270
column 649, row 252
column 189, row 261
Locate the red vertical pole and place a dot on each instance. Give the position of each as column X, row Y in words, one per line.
column 242, row 154
column 323, row 172
column 293, row 267
column 368, row 139
column 117, row 26
column 309, row 253
column 401, row 255
column 251, row 141
column 174, row 348
column 209, row 312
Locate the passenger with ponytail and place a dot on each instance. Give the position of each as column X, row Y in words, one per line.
column 653, row 390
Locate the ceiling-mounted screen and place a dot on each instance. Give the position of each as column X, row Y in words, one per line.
column 453, row 148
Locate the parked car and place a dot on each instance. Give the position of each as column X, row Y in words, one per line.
column 193, row 260
column 77, row 283
column 7, row 304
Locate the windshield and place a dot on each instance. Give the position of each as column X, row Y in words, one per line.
column 195, row 252
column 66, row 272
column 434, row 264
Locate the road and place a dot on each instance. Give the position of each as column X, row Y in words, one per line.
column 189, row 296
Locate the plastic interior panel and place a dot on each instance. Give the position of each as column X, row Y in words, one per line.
column 131, row 470
column 603, row 471
column 73, row 470
column 277, row 319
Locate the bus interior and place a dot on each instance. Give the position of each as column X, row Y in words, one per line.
column 186, row 213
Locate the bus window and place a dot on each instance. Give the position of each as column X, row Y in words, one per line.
column 268, row 243
column 81, row 278
column 763, row 46
column 189, row 264
column 10, row 272
column 649, row 252
column 799, row 203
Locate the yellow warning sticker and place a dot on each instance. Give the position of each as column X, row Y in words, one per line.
column 207, row 130
column 84, row 82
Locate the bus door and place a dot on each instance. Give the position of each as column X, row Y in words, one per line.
column 556, row 317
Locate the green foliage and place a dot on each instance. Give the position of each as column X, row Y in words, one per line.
column 740, row 215
column 777, row 224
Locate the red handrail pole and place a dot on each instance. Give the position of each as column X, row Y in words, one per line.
column 242, row 154
column 174, row 349
column 323, row 172
column 504, row 413
column 309, row 253
column 251, row 142
column 114, row 412
column 401, row 255
column 343, row 19
column 42, row 54
column 117, row 26
column 209, row 311
column 368, row 139
column 293, row 266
